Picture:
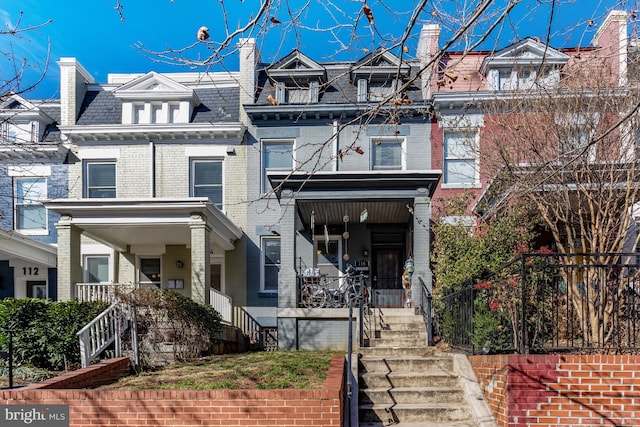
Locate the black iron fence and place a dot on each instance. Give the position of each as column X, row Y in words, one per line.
column 546, row 302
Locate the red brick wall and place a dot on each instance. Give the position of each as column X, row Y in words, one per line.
column 101, row 373
column 561, row 390
column 91, row 408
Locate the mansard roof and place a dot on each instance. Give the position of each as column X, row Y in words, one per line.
column 526, row 52
column 101, row 106
column 296, row 66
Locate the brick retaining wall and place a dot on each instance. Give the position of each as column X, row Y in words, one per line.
column 282, row 408
column 561, row 390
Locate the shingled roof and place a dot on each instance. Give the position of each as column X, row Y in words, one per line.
column 101, row 107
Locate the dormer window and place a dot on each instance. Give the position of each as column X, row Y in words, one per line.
column 156, row 99
column 297, row 94
column 20, row 133
column 21, row 122
column 376, row 91
column 156, row 113
column 377, row 76
column 525, row 65
column 297, row 79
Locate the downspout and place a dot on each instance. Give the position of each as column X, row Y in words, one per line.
column 152, row 159
column 336, row 146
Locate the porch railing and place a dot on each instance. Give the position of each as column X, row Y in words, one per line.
column 549, row 303
column 260, row 337
column 97, row 291
column 100, row 333
column 223, row 304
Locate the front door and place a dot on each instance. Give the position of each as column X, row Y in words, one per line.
column 387, row 276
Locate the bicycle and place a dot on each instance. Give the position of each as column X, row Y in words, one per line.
column 348, row 292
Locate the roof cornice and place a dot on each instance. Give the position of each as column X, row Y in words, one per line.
column 119, row 132
column 317, row 111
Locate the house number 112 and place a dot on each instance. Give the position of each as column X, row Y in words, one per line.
column 30, row 271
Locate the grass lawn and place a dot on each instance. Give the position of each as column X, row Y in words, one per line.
column 260, row 370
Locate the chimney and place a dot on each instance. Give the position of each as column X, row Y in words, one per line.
column 248, row 76
column 73, row 86
column 612, row 38
column 427, row 50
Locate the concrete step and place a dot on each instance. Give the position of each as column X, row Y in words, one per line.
column 399, row 342
column 396, row 350
column 420, row 334
column 406, row 364
column 407, row 379
column 400, row 395
column 413, row 413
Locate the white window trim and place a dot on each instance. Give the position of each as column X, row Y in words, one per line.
column 403, row 145
column 193, row 160
column 28, row 232
column 263, row 264
column 85, row 265
column 476, row 183
column 263, row 170
column 85, row 174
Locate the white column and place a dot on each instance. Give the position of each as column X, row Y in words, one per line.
column 69, row 259
column 200, row 260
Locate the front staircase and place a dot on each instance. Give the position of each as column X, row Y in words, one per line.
column 403, row 382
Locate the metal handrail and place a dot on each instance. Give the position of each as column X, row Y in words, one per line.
column 426, row 307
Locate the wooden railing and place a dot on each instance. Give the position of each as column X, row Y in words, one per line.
column 223, row 304
column 97, row 291
column 100, row 333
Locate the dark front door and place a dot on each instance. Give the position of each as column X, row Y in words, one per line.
column 387, row 277
column 387, row 269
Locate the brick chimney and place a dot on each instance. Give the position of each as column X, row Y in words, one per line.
column 248, row 60
column 427, row 50
column 73, row 86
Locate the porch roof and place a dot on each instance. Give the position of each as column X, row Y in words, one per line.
column 16, row 245
column 358, row 184
column 120, row 223
column 386, row 196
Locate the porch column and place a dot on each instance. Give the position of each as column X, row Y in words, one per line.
column 69, row 259
column 421, row 244
column 200, row 265
column 287, row 277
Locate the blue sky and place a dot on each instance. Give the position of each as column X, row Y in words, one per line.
column 91, row 30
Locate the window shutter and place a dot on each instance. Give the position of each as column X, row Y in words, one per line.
column 314, row 88
column 362, row 90
column 280, row 92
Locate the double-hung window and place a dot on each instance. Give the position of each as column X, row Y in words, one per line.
column 461, row 158
column 96, row 269
column 206, row 180
column 276, row 155
column 30, row 214
column 100, row 179
column 387, row 153
column 270, row 264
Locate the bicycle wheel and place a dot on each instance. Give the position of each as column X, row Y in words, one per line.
column 306, row 296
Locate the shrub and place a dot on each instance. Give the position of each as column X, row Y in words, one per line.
column 45, row 332
column 169, row 317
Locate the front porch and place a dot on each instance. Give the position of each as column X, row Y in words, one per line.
column 373, row 222
column 177, row 244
